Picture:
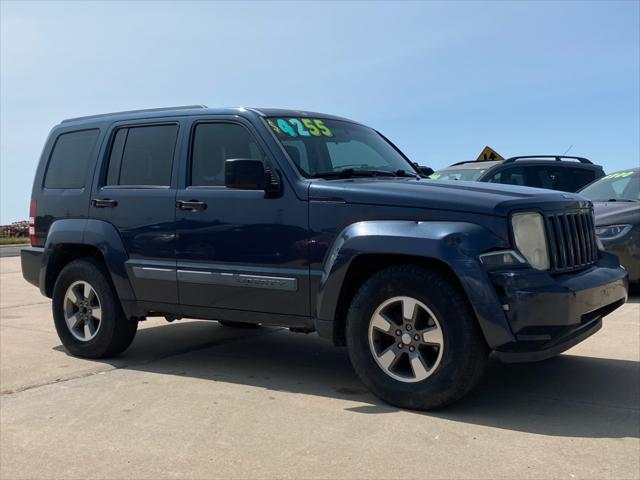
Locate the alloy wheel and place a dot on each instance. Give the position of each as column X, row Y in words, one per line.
column 82, row 311
column 406, row 340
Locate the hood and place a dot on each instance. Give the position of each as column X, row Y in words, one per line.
column 615, row 213
column 473, row 197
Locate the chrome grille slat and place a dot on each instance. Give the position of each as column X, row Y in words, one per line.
column 553, row 242
column 583, row 239
column 561, row 243
column 587, row 229
column 571, row 258
column 572, row 240
column 576, row 239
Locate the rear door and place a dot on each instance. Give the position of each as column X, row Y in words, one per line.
column 136, row 192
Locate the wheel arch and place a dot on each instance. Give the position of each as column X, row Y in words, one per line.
column 71, row 239
column 365, row 266
column 363, row 248
column 62, row 254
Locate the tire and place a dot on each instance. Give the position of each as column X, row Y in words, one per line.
column 230, row 324
column 444, row 373
column 112, row 332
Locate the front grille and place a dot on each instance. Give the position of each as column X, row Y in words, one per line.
column 572, row 240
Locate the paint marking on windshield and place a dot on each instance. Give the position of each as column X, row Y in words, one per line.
column 299, row 127
column 618, row 175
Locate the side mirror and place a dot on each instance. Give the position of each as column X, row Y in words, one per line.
column 425, row 171
column 244, row 173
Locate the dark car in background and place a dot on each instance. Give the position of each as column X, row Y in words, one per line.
column 555, row 172
column 616, row 202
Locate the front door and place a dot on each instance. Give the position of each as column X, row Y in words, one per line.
column 238, row 250
column 135, row 193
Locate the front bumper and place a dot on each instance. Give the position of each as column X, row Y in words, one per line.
column 549, row 314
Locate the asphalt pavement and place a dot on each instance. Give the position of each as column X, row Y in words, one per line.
column 10, row 250
column 193, row 399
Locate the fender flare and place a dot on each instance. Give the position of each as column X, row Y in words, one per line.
column 95, row 233
column 457, row 244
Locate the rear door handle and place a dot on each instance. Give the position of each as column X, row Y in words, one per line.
column 191, row 205
column 103, row 203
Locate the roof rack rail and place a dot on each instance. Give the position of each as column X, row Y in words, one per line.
column 558, row 158
column 472, row 161
column 145, row 110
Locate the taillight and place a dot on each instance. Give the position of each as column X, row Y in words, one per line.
column 33, row 213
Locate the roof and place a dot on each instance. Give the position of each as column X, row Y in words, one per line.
column 188, row 110
column 283, row 112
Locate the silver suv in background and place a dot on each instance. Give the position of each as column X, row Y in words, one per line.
column 555, row 172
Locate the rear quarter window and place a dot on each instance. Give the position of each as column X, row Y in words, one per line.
column 555, row 177
column 70, row 158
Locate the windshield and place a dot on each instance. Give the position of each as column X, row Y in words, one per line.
column 470, row 174
column 321, row 147
column 615, row 187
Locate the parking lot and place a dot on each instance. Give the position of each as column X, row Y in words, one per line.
column 193, row 399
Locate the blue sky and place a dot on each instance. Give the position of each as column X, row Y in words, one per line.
column 442, row 80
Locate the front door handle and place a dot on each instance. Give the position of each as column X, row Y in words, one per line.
column 103, row 203
column 191, row 205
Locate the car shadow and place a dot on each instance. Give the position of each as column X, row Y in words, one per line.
column 634, row 293
column 569, row 395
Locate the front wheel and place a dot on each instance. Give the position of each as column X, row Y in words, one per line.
column 413, row 338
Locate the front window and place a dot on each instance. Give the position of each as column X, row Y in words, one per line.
column 321, row 147
column 470, row 174
column 617, row 187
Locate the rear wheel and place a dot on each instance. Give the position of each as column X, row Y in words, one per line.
column 413, row 338
column 87, row 314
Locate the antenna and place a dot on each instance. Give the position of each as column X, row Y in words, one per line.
column 570, row 147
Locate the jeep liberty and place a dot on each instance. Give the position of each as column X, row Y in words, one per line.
column 315, row 223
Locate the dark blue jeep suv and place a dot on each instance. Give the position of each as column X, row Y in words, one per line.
column 316, row 223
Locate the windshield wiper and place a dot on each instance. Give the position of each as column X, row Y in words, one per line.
column 621, row 200
column 352, row 172
column 404, row 173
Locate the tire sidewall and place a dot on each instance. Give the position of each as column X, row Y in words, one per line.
column 89, row 271
column 451, row 313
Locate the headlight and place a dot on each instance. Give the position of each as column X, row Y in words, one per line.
column 611, row 231
column 531, row 240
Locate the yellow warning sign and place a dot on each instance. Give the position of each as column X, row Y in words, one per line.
column 489, row 153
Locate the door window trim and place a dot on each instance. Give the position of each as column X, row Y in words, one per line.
column 192, row 134
column 106, row 158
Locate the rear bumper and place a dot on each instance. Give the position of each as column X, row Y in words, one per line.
column 549, row 314
column 31, row 262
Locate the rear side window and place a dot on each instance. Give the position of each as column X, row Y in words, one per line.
column 213, row 143
column 142, row 156
column 566, row 179
column 511, row 176
column 70, row 159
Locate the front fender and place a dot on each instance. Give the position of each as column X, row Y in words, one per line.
column 457, row 244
